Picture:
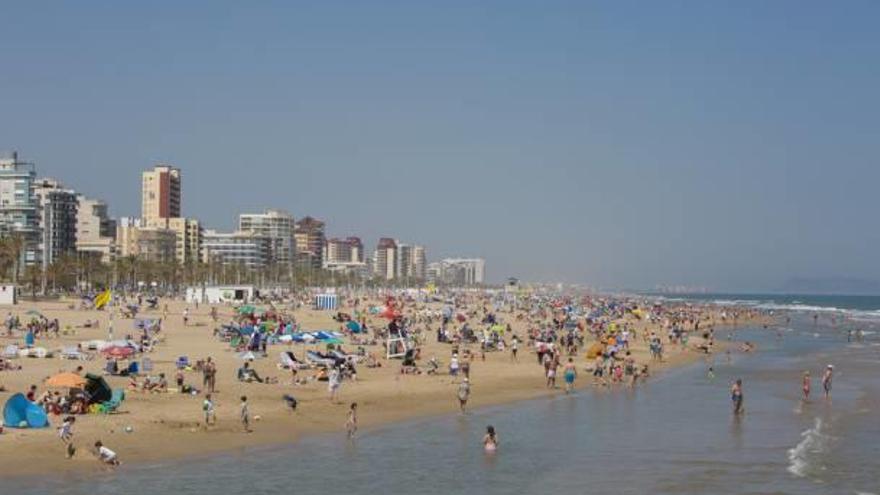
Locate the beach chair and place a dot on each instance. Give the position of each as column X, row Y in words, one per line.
column 146, row 365
column 115, row 400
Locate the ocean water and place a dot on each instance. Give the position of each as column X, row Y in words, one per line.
column 860, row 310
column 675, row 435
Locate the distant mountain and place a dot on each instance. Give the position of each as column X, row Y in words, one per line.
column 834, row 285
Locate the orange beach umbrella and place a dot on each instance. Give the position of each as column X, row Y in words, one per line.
column 66, row 380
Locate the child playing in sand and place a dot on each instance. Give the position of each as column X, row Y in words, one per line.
column 208, row 408
column 106, row 455
column 65, row 432
column 245, row 414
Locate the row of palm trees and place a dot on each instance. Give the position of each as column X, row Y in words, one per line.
column 84, row 271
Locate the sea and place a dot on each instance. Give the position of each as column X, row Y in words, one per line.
column 676, row 434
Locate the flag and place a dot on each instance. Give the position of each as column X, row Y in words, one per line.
column 102, row 299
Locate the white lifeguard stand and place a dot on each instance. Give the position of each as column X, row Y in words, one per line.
column 396, row 346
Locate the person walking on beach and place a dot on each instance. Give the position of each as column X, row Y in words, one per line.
column 186, row 316
column 351, row 424
column 570, row 375
column 514, row 347
column 826, row 380
column 65, row 432
column 806, row 383
column 490, row 440
column 245, row 414
column 333, row 382
column 209, row 375
column 208, row 409
column 736, row 395
column 464, row 393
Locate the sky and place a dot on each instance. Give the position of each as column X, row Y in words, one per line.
column 726, row 145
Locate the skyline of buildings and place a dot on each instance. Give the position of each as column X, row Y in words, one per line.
column 55, row 221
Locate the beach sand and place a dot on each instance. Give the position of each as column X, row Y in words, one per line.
column 169, row 425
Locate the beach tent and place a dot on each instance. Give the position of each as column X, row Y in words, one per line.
column 326, row 301
column 22, row 413
column 97, row 388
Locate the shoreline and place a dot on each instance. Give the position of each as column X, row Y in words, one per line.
column 166, row 425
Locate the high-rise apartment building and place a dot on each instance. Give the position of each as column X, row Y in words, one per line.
column 248, row 249
column 385, row 259
column 18, row 206
column 309, row 234
column 280, row 227
column 458, row 271
column 57, row 211
column 188, row 235
column 95, row 230
column 133, row 238
column 160, row 193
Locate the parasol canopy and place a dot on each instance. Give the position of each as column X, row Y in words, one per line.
column 66, row 380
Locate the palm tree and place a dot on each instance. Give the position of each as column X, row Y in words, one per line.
column 12, row 250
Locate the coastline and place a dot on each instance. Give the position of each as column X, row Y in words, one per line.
column 165, row 426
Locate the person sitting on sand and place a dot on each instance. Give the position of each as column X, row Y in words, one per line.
column 248, row 374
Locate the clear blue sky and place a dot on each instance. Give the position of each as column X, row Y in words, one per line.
column 731, row 145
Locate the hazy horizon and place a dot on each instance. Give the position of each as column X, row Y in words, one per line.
column 616, row 144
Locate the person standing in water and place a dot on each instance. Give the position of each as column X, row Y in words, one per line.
column 351, row 424
column 826, row 380
column 570, row 374
column 806, row 383
column 464, row 393
column 490, row 440
column 736, row 395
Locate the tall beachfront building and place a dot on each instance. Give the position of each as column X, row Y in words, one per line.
column 345, row 256
column 160, row 209
column 187, row 234
column 160, row 193
column 309, row 235
column 279, row 226
column 458, row 271
column 385, row 259
column 248, row 249
column 135, row 239
column 57, row 213
column 348, row 250
column 95, row 230
column 18, row 205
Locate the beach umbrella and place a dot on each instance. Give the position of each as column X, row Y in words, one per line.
column 118, row 352
column 66, row 380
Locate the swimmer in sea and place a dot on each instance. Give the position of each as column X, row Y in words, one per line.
column 490, row 440
column 736, row 395
column 826, row 380
column 570, row 374
column 805, row 385
column 711, row 374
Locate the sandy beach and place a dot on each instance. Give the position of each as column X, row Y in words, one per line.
column 151, row 426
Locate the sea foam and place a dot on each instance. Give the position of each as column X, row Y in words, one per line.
column 802, row 456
